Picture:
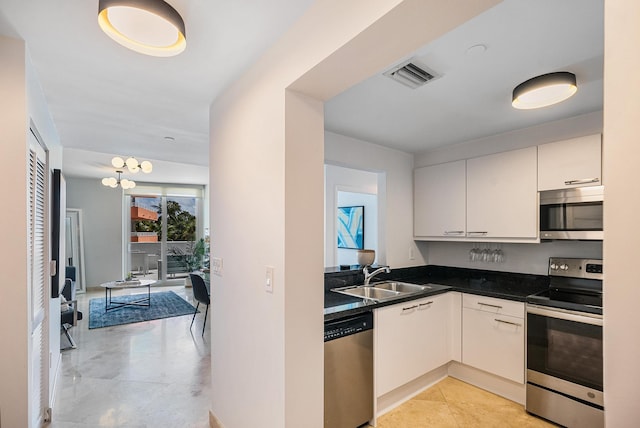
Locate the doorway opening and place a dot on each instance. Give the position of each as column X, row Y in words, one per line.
column 350, row 187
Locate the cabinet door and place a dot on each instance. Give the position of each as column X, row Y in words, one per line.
column 570, row 163
column 412, row 338
column 439, row 200
column 502, row 198
column 493, row 343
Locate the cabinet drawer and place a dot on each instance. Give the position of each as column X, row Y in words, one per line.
column 493, row 343
column 493, row 305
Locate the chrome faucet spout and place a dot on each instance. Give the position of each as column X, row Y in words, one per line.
column 368, row 276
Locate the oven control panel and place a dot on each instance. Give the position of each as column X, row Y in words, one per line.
column 576, row 268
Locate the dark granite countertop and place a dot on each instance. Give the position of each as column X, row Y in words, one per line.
column 503, row 285
column 337, row 305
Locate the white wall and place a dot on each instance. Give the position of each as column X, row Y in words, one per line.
column 22, row 103
column 14, row 316
column 102, row 223
column 349, row 180
column 522, row 258
column 620, row 157
column 396, row 243
column 578, row 126
column 266, row 202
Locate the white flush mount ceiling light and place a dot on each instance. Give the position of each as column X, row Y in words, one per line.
column 132, row 164
column 113, row 182
column 150, row 27
column 545, row 90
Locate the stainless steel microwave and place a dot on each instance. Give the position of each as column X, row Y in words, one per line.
column 572, row 213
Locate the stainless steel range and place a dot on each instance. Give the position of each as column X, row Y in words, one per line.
column 564, row 345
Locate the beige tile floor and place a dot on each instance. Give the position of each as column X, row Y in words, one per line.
column 150, row 374
column 456, row 404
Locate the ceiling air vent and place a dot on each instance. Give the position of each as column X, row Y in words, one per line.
column 410, row 74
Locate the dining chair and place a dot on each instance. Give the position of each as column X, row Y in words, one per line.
column 69, row 314
column 201, row 294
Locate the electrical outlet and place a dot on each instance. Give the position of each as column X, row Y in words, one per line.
column 216, row 266
column 412, row 254
column 268, row 282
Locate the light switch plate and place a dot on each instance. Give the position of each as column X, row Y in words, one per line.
column 216, row 266
column 268, row 282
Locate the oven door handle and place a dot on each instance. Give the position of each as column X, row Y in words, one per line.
column 564, row 314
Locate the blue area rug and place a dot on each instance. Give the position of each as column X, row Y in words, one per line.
column 163, row 305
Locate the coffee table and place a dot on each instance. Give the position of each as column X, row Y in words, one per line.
column 110, row 304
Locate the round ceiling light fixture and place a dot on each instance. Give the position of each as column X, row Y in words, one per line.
column 150, row 27
column 545, row 90
column 132, row 164
column 123, row 182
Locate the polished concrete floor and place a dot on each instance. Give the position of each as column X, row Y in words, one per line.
column 452, row 403
column 149, row 374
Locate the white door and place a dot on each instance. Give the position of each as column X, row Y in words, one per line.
column 38, row 280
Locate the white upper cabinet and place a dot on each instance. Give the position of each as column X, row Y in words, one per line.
column 570, row 163
column 439, row 200
column 502, row 200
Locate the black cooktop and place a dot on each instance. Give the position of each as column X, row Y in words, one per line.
column 587, row 301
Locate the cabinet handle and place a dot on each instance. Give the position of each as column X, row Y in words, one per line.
column 582, row 181
column 490, row 305
column 426, row 304
column 409, row 308
column 454, row 232
column 509, row 322
column 477, row 233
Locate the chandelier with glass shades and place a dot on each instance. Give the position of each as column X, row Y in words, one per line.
column 132, row 165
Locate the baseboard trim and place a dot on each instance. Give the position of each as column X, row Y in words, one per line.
column 498, row 385
column 393, row 399
column 213, row 421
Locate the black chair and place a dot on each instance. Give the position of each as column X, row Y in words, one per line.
column 201, row 294
column 70, row 316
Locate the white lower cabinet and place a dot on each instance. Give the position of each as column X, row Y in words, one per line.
column 412, row 338
column 493, row 336
column 418, row 336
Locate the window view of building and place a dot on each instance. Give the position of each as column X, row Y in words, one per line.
column 166, row 236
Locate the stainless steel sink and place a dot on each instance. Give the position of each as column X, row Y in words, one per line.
column 402, row 287
column 382, row 291
column 369, row 293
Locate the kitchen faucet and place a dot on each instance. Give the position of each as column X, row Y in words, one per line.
column 368, row 276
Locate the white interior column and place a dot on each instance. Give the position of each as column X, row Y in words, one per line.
column 621, row 155
column 266, row 181
column 14, row 297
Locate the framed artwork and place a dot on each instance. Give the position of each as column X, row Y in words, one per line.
column 351, row 227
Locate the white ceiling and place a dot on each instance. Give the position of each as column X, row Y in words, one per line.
column 107, row 100
column 472, row 98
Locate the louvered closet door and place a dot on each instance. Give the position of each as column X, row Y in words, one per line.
column 38, row 280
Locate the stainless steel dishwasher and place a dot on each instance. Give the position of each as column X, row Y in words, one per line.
column 348, row 371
